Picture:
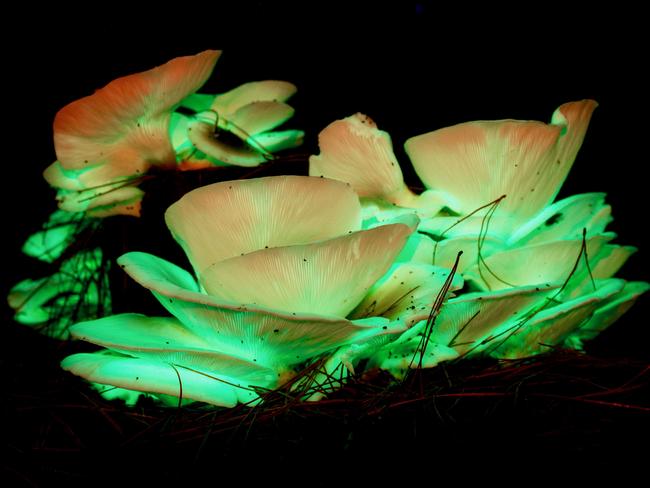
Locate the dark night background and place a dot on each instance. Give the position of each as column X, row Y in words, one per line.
column 412, row 68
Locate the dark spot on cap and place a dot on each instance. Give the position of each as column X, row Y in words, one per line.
column 553, row 219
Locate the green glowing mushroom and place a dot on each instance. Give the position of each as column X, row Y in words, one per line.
column 354, row 150
column 607, row 313
column 251, row 112
column 464, row 167
column 464, row 326
column 551, row 326
column 106, row 142
column 56, row 236
column 280, row 262
column 475, row 163
column 524, row 238
column 120, row 131
column 491, row 186
column 77, row 291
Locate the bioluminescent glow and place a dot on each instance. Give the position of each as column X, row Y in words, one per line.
column 344, row 269
column 292, row 270
column 538, row 273
column 273, row 291
column 79, row 290
column 251, row 112
column 57, row 235
column 106, row 142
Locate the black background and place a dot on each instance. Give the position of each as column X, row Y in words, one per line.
column 413, row 68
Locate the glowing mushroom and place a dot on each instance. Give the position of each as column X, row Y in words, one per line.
column 354, row 150
column 106, row 141
column 251, row 112
column 280, row 264
column 475, row 163
column 78, row 290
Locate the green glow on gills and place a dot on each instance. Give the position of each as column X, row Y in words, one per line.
column 552, row 325
column 489, row 193
column 342, row 268
column 57, row 234
column 251, row 112
column 77, row 291
column 606, row 314
column 106, row 142
column 118, row 133
column 227, row 343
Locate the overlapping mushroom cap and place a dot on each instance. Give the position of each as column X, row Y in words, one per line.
column 290, row 269
column 490, row 191
column 474, row 163
column 107, row 141
column 251, row 112
column 464, row 167
column 356, row 151
column 280, row 262
column 500, row 179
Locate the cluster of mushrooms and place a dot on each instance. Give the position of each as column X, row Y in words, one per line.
column 346, row 269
